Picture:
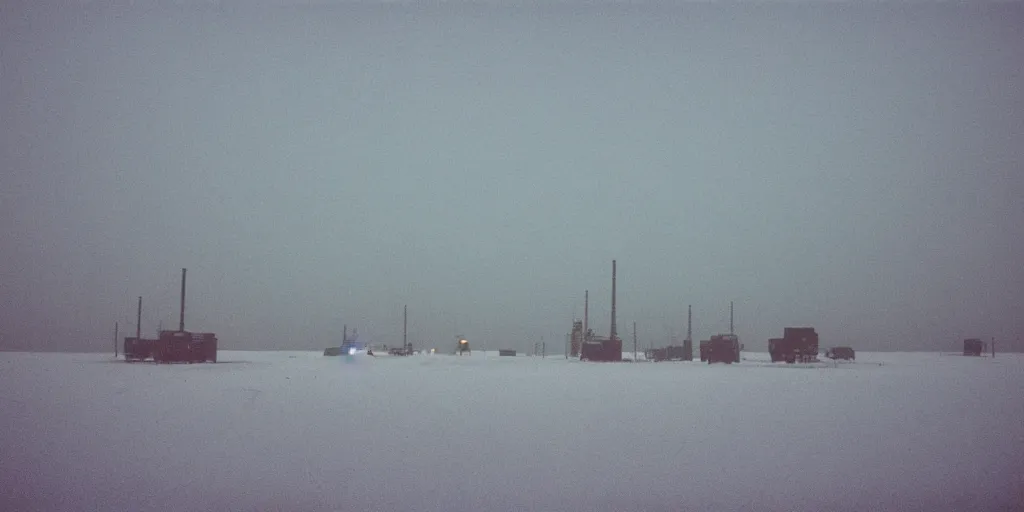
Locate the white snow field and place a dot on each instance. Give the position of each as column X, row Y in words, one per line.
column 297, row 431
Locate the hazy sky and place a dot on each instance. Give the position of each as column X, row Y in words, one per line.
column 856, row 168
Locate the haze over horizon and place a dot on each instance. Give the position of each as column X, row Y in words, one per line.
column 852, row 167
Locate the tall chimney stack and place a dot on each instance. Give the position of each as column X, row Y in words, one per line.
column 181, row 319
column 689, row 323
column 613, row 334
column 730, row 318
column 405, row 326
column 586, row 311
column 138, row 320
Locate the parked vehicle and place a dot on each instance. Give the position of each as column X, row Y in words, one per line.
column 844, row 353
column 400, row 351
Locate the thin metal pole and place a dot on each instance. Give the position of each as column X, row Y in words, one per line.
column 586, row 312
column 138, row 321
column 634, row 341
column 613, row 334
column 115, row 340
column 730, row 319
column 689, row 323
column 181, row 319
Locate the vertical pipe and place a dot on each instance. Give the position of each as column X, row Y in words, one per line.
column 181, row 318
column 688, row 344
column 993, row 346
column 115, row 339
column 586, row 311
column 405, row 326
column 344, row 333
column 730, row 318
column 689, row 323
column 138, row 321
column 612, row 334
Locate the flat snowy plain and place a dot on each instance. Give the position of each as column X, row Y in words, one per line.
column 296, row 431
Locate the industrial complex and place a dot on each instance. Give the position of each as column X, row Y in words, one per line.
column 796, row 345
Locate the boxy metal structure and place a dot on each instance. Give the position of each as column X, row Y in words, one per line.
column 185, row 347
column 973, row 347
column 723, row 348
column 797, row 344
column 179, row 346
column 604, row 349
column 676, row 352
column 137, row 349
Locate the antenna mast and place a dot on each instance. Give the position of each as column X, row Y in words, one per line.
column 181, row 319
column 689, row 323
column 586, row 311
column 138, row 321
column 613, row 334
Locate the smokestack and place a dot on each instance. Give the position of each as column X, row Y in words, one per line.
column 586, row 311
column 730, row 318
column 405, row 325
column 344, row 333
column 138, row 321
column 181, row 319
column 613, row 334
column 689, row 323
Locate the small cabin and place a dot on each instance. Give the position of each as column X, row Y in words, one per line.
column 973, row 347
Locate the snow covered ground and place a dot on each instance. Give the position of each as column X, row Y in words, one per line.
column 264, row 431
